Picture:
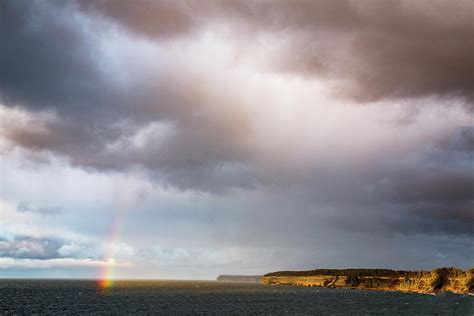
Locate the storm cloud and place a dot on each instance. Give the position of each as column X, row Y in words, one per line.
column 398, row 48
column 254, row 125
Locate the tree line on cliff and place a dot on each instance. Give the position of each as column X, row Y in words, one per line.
column 442, row 272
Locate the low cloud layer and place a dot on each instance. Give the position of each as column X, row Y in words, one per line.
column 242, row 126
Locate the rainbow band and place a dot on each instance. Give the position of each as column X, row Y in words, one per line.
column 106, row 275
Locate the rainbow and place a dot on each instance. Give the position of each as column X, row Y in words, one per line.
column 105, row 280
column 106, row 274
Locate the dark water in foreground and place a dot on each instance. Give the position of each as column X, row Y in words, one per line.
column 200, row 297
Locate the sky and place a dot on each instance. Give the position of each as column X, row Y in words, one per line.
column 187, row 139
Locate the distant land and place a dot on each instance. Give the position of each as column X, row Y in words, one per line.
column 240, row 278
column 438, row 280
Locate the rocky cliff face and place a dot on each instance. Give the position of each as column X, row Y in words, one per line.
column 438, row 280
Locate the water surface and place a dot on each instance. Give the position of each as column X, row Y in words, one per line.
column 215, row 298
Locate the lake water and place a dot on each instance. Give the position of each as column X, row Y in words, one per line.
column 202, row 297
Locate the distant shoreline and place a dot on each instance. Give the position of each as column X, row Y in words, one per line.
column 424, row 282
column 240, row 278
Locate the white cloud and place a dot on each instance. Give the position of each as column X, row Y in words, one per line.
column 10, row 263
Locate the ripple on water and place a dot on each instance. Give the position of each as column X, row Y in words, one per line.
column 191, row 297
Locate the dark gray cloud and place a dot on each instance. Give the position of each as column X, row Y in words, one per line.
column 151, row 18
column 393, row 49
column 22, row 247
column 431, row 192
column 49, row 62
column 53, row 63
column 192, row 133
